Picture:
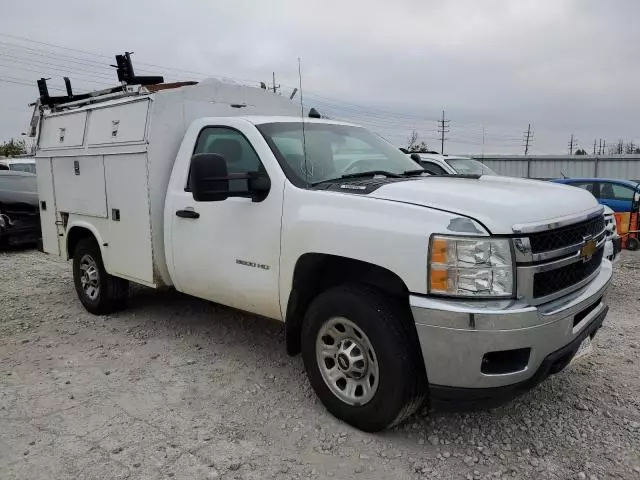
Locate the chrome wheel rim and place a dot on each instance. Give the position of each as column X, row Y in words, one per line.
column 89, row 277
column 347, row 361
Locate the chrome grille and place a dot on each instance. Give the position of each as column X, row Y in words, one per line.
column 553, row 263
column 547, row 283
column 566, row 236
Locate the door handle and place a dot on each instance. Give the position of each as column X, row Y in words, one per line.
column 187, row 214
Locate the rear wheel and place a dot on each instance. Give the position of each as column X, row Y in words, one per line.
column 362, row 357
column 633, row 244
column 99, row 292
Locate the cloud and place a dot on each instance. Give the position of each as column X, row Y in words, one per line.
column 567, row 66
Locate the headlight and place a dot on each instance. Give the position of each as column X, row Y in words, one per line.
column 470, row 267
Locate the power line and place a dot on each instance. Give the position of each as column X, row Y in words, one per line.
column 92, row 67
column 9, row 107
column 443, row 127
column 23, row 81
column 17, row 82
column 91, row 64
column 52, row 66
column 44, row 72
column 52, row 45
column 45, row 53
column 109, row 57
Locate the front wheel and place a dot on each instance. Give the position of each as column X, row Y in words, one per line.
column 362, row 357
column 99, row 292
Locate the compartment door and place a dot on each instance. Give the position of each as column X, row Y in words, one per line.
column 80, row 185
column 130, row 253
column 47, row 205
column 118, row 124
column 63, row 131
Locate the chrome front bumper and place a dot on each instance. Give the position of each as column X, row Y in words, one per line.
column 455, row 335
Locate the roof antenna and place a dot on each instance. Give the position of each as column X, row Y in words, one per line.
column 304, row 139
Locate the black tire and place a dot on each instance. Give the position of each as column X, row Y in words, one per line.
column 633, row 244
column 112, row 292
column 402, row 382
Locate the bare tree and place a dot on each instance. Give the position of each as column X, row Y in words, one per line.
column 631, row 148
column 617, row 149
column 415, row 145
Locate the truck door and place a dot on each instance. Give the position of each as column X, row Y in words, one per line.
column 228, row 251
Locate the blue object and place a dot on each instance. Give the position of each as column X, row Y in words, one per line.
column 619, row 195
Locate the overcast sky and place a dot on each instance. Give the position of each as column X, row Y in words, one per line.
column 564, row 66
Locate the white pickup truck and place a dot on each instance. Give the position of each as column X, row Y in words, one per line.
column 397, row 286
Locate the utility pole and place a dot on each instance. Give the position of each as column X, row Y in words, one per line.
column 594, row 146
column 483, row 142
column 604, row 147
column 275, row 87
column 528, row 140
column 443, row 127
column 600, row 148
column 571, row 143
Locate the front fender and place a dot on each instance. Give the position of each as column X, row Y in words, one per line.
column 388, row 234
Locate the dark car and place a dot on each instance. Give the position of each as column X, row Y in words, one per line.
column 19, row 212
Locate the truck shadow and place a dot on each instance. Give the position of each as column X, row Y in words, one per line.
column 217, row 332
column 172, row 313
column 20, row 248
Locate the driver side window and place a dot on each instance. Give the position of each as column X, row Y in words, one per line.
column 236, row 150
column 613, row 191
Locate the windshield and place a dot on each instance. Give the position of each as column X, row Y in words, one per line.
column 332, row 151
column 469, row 166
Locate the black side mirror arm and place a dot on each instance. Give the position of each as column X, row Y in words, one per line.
column 258, row 185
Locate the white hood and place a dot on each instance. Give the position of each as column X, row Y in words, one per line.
column 497, row 202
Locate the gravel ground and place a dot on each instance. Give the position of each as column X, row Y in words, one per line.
column 179, row 388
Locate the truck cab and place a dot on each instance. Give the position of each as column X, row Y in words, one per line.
column 396, row 286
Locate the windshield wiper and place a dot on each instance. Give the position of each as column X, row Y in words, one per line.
column 372, row 173
column 419, row 171
column 369, row 173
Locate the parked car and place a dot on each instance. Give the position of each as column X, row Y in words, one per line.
column 613, row 245
column 19, row 212
column 619, row 195
column 20, row 164
column 437, row 164
column 395, row 286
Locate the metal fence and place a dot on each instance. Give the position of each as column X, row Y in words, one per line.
column 545, row 167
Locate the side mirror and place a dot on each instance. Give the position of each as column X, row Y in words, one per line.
column 209, row 178
column 415, row 157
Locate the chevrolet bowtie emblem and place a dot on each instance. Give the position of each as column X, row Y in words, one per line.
column 588, row 250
